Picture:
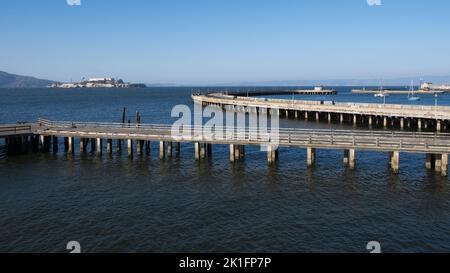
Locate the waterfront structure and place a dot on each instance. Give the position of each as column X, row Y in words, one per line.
column 44, row 136
column 317, row 91
column 429, row 86
column 384, row 115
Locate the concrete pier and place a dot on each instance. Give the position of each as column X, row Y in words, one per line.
column 359, row 113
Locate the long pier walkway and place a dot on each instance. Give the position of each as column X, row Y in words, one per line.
column 383, row 115
column 105, row 137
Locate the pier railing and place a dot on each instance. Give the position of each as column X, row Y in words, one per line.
column 325, row 138
column 19, row 129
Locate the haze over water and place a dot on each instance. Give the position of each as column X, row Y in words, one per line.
column 115, row 204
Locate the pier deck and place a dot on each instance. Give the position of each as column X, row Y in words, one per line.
column 312, row 92
column 15, row 130
column 302, row 138
column 436, row 146
column 417, row 116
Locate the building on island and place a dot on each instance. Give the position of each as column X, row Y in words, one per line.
column 98, row 83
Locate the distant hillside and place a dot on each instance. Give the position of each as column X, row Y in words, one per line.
column 16, row 81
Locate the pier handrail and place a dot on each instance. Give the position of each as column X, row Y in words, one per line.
column 15, row 129
column 312, row 102
column 250, row 130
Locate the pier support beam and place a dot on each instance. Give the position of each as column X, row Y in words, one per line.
column 82, row 145
column 177, row 149
column 350, row 158
column 237, row 152
column 429, row 161
column 71, row 145
column 355, row 119
column 140, row 147
column 202, row 151
column 162, row 150
column 317, row 116
column 109, row 145
column 438, row 125
column 99, row 146
column 419, row 124
column 130, row 147
column 329, row 117
column 55, row 143
column 232, row 150
column 272, row 154
column 395, row 161
column 197, row 151
column 385, row 122
column 209, row 149
column 444, row 162
column 402, row 123
column 92, row 140
column 148, row 147
column 370, row 120
column 169, row 149
column 311, row 156
column 438, row 163
column 341, row 118
column 119, row 145
column 42, row 143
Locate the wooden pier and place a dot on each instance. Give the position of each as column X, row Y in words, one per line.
column 383, row 115
column 44, row 136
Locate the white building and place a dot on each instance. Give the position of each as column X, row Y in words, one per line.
column 429, row 86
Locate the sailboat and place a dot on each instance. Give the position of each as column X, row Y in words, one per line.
column 382, row 93
column 412, row 96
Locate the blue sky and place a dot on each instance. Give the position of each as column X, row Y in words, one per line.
column 221, row 41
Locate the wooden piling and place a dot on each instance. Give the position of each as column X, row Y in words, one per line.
column 130, row 147
column 311, row 156
column 162, row 150
column 444, row 162
column 232, row 156
column 395, row 162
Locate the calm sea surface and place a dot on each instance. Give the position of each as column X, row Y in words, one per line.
column 115, row 204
